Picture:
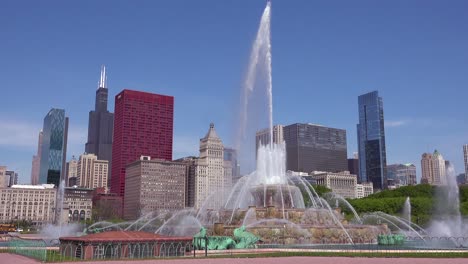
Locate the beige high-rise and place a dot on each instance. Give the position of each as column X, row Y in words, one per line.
column 213, row 177
column 91, row 172
column 154, row 186
column 433, row 169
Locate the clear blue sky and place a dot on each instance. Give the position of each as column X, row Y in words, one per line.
column 325, row 54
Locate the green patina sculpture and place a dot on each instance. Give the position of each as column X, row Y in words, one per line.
column 391, row 240
column 242, row 239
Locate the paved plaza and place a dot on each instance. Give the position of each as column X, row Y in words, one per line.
column 11, row 258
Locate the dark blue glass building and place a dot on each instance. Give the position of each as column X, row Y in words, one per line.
column 54, row 147
column 371, row 141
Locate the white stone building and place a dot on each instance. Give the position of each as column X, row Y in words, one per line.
column 28, row 202
column 364, row 189
column 213, row 177
column 341, row 183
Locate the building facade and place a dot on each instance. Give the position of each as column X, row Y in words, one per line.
column 353, row 166
column 341, row 183
column 101, row 124
column 213, row 175
column 191, row 171
column 230, row 155
column 433, row 169
column 371, row 141
column 72, row 171
column 12, row 177
column 465, row 158
column 263, row 137
column 53, row 147
column 35, row 203
column 79, row 202
column 3, row 177
column 312, row 147
column 364, row 189
column 154, row 186
column 91, row 172
column 402, row 174
column 143, row 126
column 36, row 162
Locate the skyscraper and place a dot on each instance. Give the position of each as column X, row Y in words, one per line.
column 213, row 174
column 465, row 157
column 312, row 147
column 143, row 126
column 101, row 124
column 91, row 172
column 54, row 147
column 433, row 169
column 371, row 141
column 36, row 162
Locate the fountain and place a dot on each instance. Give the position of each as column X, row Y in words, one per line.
column 448, row 221
column 407, row 210
column 60, row 227
column 268, row 203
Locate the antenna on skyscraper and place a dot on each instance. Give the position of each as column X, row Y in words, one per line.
column 103, row 81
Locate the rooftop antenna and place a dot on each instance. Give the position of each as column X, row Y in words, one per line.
column 103, row 80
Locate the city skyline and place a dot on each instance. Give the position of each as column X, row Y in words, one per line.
column 307, row 64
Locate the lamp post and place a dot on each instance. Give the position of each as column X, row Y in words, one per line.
column 284, row 234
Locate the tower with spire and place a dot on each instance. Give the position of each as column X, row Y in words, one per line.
column 213, row 177
column 101, row 124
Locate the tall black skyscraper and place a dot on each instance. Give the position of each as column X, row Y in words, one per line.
column 315, row 148
column 371, row 141
column 101, row 124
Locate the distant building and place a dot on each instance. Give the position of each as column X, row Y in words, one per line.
column 230, row 155
column 433, row 169
column 79, row 202
column 101, row 124
column 364, row 189
column 263, row 137
column 213, row 175
column 36, row 162
column 371, row 141
column 3, row 177
column 91, row 172
column 402, row 174
column 465, row 157
column 153, row 186
column 341, row 183
column 106, row 205
column 12, row 178
column 54, row 147
column 34, row 203
column 353, row 166
column 143, row 126
column 72, row 171
column 191, row 170
column 312, row 147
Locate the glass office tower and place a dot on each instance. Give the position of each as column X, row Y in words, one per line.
column 54, row 147
column 371, row 141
